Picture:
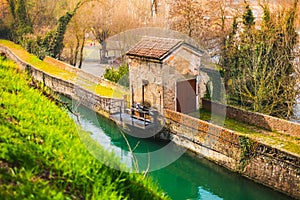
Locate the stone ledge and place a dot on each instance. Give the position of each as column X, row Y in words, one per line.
column 265, row 164
column 258, row 119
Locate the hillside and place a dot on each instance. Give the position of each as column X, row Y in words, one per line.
column 42, row 156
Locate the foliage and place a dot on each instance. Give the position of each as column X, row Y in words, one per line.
column 42, row 156
column 205, row 21
column 258, row 64
column 207, row 94
column 36, row 46
column 189, row 16
column 21, row 24
column 56, row 46
column 4, row 30
column 214, row 87
column 248, row 18
column 248, row 147
column 51, row 44
column 120, row 75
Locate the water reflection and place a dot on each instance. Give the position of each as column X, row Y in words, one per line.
column 204, row 194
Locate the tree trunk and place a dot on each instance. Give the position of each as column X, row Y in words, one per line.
column 76, row 50
column 103, row 52
column 81, row 52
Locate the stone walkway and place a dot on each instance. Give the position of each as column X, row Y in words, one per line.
column 91, row 61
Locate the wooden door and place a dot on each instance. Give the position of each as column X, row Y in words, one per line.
column 186, row 96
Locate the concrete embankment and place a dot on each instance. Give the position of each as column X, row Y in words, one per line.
column 256, row 160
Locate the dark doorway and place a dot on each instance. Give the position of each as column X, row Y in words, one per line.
column 186, row 96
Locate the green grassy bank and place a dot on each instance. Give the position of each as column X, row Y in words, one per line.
column 42, row 155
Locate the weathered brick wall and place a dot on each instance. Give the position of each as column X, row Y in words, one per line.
column 276, row 169
column 267, row 165
column 264, row 121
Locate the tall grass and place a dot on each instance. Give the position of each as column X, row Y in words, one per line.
column 42, row 156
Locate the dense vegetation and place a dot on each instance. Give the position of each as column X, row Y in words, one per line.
column 42, row 156
column 258, row 63
column 49, row 45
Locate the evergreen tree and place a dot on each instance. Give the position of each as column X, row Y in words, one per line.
column 248, row 18
column 258, row 63
column 21, row 24
column 54, row 40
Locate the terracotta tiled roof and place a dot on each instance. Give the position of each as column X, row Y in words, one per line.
column 154, row 47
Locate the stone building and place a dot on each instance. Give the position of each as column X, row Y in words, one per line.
column 165, row 73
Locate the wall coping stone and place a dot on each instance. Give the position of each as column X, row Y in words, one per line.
column 254, row 118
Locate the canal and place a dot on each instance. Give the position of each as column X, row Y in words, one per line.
column 189, row 177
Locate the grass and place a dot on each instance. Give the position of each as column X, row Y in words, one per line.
column 273, row 138
column 42, row 153
column 61, row 73
column 101, row 90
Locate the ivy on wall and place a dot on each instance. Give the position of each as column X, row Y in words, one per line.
column 248, row 151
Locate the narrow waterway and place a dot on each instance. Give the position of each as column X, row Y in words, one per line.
column 189, row 177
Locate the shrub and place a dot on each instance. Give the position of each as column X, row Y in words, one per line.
column 120, row 75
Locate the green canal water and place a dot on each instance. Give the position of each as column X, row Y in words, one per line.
column 189, row 177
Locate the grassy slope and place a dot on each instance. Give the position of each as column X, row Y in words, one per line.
column 58, row 72
column 42, row 156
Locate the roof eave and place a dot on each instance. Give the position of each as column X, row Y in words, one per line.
column 171, row 50
column 145, row 58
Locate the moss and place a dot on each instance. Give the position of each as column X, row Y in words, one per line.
column 248, row 149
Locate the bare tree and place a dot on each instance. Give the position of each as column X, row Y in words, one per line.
column 205, row 21
column 74, row 40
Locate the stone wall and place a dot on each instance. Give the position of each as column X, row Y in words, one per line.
column 215, row 143
column 6, row 51
column 141, row 70
column 84, row 75
column 264, row 121
column 264, row 164
column 85, row 97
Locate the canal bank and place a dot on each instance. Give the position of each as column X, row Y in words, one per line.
column 189, row 177
column 264, row 163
